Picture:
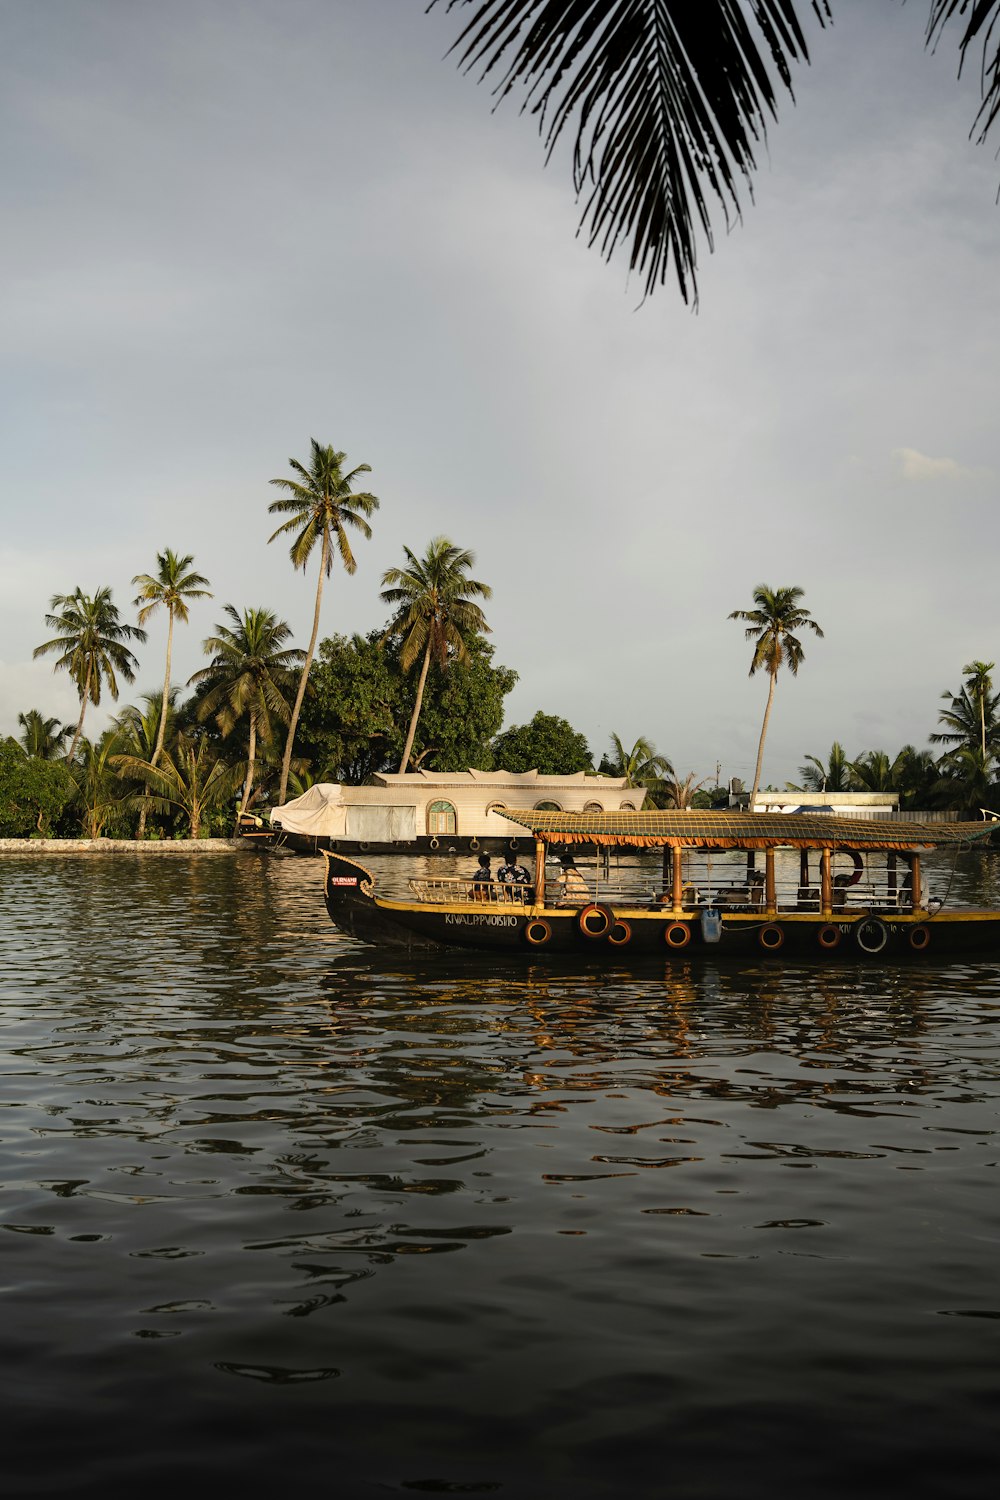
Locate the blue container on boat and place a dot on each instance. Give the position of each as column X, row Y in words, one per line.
column 711, row 924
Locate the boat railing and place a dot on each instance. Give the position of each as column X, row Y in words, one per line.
column 440, row 890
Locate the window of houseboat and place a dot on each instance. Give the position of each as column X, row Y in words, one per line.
column 547, row 807
column 497, row 807
column 442, row 818
column 627, row 807
column 592, row 807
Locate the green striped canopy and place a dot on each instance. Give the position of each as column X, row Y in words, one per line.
column 742, row 830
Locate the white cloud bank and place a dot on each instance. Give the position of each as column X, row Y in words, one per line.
column 921, row 467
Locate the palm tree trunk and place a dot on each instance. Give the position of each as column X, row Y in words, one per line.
column 79, row 723
column 286, row 760
column 407, row 748
column 763, row 736
column 982, row 722
column 248, row 783
column 161, row 732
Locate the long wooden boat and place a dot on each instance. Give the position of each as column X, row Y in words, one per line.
column 729, row 884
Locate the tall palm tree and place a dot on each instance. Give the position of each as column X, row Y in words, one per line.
column 44, row 739
column 91, row 639
column 771, row 625
column 324, row 507
column 970, row 719
column 172, row 585
column 435, row 613
column 979, row 686
column 251, row 674
column 669, row 102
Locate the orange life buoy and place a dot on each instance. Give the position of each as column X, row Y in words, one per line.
column 677, row 934
column 538, row 932
column 829, row 936
column 771, row 937
column 596, row 920
column 919, row 938
column 621, row 934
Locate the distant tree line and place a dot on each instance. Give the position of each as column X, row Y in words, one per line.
column 265, row 718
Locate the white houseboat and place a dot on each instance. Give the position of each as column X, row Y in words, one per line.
column 448, row 812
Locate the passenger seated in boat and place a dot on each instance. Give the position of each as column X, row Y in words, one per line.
column 573, row 889
column 482, row 878
column 840, row 884
column 511, row 873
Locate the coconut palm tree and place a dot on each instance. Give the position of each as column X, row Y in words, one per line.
column 252, row 674
column 90, row 639
column 139, row 730
column 771, row 626
column 640, row 766
column 44, row 739
column 172, row 585
column 834, row 776
column 435, row 613
column 323, row 507
column 100, row 796
column 669, row 102
column 970, row 719
column 190, row 779
column 979, row 685
column 681, row 794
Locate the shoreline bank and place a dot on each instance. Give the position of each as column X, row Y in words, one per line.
column 123, row 846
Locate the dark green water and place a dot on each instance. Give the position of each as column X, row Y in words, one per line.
column 277, row 1212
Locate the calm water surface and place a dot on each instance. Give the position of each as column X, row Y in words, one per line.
column 277, row 1211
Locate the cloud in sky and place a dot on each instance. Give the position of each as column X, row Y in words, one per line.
column 919, row 466
column 218, row 245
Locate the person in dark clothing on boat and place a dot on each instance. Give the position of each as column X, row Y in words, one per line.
column 511, row 873
column 482, row 878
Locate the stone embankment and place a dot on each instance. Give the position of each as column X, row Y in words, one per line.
column 121, row 846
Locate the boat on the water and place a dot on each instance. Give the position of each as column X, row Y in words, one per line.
column 728, row 884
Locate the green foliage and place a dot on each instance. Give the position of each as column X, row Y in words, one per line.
column 549, row 745
column 33, row 792
column 355, row 718
column 832, row 776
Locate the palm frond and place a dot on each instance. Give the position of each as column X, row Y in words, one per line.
column 668, row 101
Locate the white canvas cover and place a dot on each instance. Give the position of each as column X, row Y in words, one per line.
column 319, row 812
column 381, row 824
column 323, row 812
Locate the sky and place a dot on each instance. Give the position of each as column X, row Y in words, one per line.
column 232, row 226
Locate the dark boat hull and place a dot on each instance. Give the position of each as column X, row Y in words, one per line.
column 648, row 932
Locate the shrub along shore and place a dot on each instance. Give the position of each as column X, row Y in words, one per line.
column 122, row 846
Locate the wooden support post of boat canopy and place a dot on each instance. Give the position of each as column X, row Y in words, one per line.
column 539, row 872
column 825, row 884
column 676, row 895
column 915, row 882
column 770, row 897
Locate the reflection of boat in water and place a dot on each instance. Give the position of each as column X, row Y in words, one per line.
column 729, row 884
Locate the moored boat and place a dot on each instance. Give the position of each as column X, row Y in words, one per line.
column 728, row 884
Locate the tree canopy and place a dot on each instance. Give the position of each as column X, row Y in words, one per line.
column 548, row 744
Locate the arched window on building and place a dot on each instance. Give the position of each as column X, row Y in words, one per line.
column 547, row 807
column 442, row 819
column 592, row 807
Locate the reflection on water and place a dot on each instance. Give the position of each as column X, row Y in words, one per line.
column 279, row 1208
